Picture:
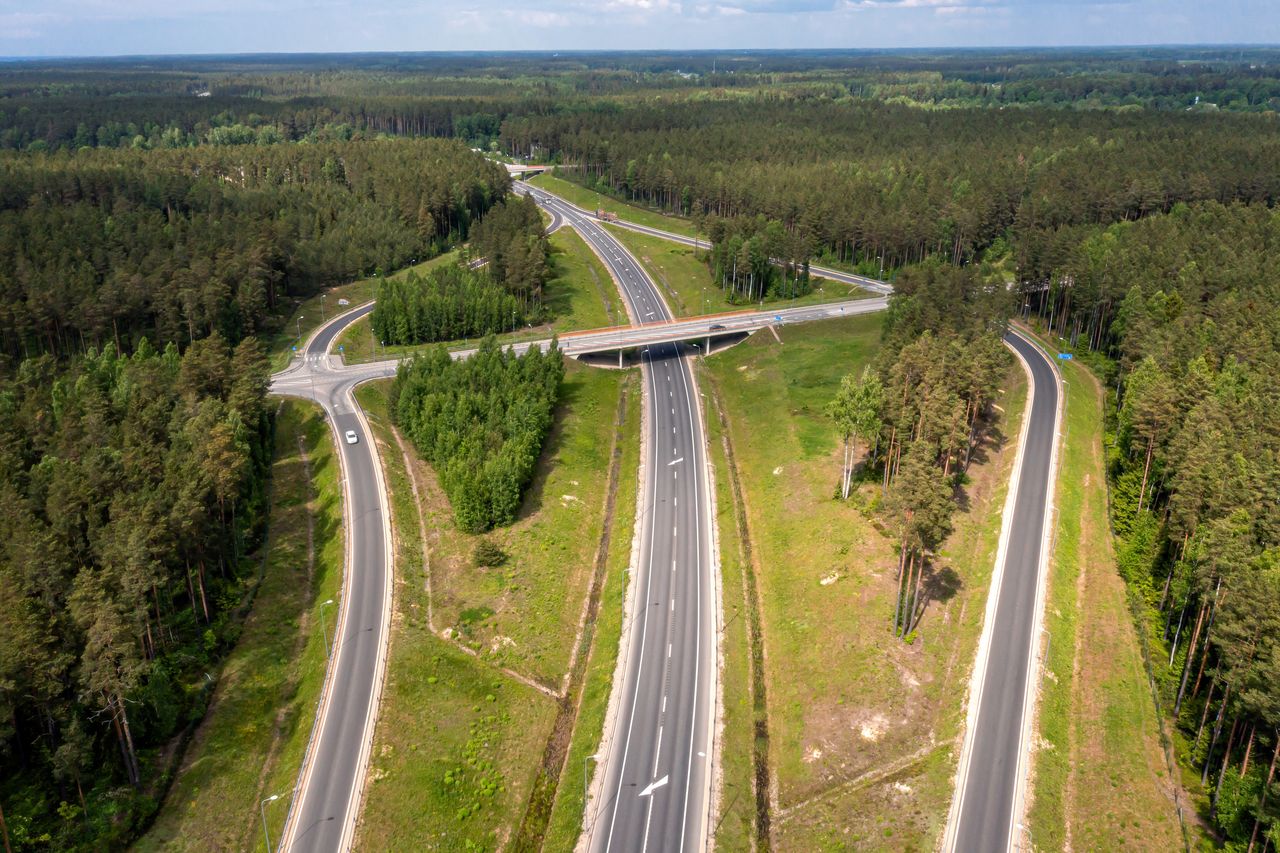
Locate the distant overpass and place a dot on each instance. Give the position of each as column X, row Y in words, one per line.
column 517, row 171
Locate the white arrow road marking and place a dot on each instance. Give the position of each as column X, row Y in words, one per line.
column 655, row 786
column 675, row 461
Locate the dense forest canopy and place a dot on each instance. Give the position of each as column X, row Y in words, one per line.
column 135, row 290
column 101, row 246
column 133, row 488
column 158, row 216
column 1182, row 314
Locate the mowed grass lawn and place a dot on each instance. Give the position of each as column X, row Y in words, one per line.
column 863, row 728
column 309, row 314
column 592, row 200
column 579, row 295
column 251, row 742
column 684, row 278
column 1101, row 782
column 460, row 738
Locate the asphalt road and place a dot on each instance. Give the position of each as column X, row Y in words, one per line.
column 323, row 812
column 993, row 764
column 657, row 771
column 656, row 782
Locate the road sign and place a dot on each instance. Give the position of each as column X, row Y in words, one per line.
column 295, row 349
column 777, row 318
column 1065, row 356
column 340, row 349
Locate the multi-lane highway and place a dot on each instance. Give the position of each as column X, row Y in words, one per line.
column 655, row 790
column 986, row 810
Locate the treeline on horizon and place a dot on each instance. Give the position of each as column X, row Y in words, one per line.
column 174, row 102
column 871, row 183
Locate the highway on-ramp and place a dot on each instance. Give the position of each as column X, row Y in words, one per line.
column 654, row 786
column 987, row 807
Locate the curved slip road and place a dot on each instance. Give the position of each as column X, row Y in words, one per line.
column 656, row 775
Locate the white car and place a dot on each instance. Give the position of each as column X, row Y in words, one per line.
column 352, row 438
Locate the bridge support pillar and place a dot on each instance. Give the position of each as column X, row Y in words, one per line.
column 707, row 351
column 619, row 359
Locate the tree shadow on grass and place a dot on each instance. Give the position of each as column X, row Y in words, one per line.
column 940, row 584
column 531, row 504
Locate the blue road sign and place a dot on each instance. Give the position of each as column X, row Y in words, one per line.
column 340, row 348
column 295, row 349
column 1065, row 356
column 777, row 317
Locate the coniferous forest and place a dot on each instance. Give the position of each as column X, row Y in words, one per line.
column 480, row 422
column 160, row 220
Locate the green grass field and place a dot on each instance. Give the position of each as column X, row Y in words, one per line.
column 862, row 727
column 591, row 200
column 251, row 742
column 1102, row 781
column 462, row 731
column 580, row 295
column 737, row 820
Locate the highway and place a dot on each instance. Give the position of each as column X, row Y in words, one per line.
column 655, row 775
column 987, row 806
column 865, row 282
column 986, row 810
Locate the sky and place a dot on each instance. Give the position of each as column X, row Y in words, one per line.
column 126, row 27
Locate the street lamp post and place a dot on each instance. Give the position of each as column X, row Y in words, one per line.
column 324, row 631
column 586, row 779
column 262, row 807
column 299, row 327
column 323, row 297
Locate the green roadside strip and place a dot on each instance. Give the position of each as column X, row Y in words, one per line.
column 738, row 747
column 1100, row 776
column 567, row 815
column 251, row 743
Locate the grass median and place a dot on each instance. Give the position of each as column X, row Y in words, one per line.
column 480, row 656
column 862, row 728
column 579, row 295
column 251, row 742
column 1100, row 777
